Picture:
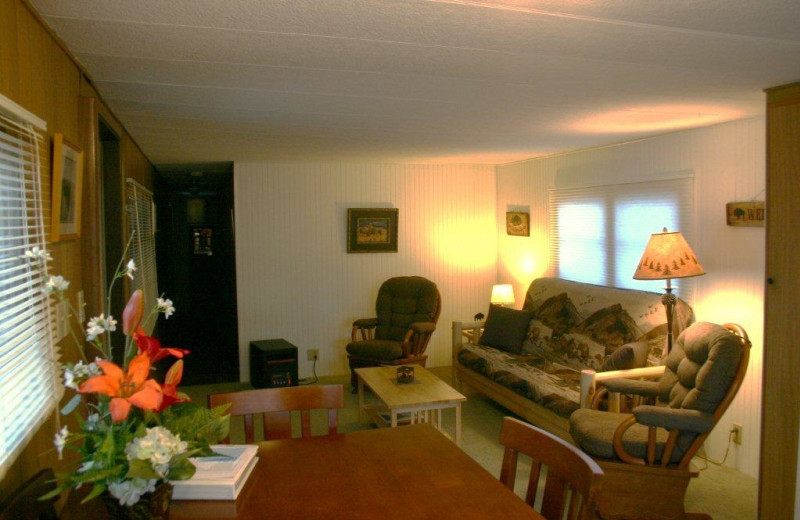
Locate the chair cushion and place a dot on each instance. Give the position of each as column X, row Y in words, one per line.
column 700, row 368
column 402, row 301
column 506, row 328
column 376, row 349
column 630, row 355
column 593, row 431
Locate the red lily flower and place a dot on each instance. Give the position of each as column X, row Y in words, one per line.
column 125, row 389
column 170, row 387
column 153, row 347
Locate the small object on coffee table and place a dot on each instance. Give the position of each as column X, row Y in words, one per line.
column 405, row 375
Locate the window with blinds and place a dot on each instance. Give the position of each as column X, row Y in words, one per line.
column 29, row 379
column 141, row 225
column 598, row 233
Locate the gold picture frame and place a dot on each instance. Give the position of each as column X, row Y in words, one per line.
column 372, row 230
column 518, row 224
column 65, row 221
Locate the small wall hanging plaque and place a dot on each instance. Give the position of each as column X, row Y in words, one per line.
column 746, row 214
column 518, row 224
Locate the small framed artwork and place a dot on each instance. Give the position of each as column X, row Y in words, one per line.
column 518, row 224
column 65, row 223
column 750, row 214
column 371, row 230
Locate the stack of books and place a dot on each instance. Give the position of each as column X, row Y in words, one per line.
column 219, row 477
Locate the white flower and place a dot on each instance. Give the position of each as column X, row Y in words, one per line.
column 128, row 492
column 60, row 440
column 99, row 325
column 130, row 268
column 78, row 373
column 37, row 255
column 158, row 446
column 165, row 306
column 56, row 283
column 92, row 423
column 89, row 464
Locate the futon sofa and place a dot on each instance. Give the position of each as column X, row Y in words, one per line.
column 530, row 360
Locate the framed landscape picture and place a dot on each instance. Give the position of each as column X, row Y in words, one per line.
column 65, row 221
column 372, row 230
column 518, row 224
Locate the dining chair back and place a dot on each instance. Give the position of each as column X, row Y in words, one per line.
column 24, row 503
column 275, row 405
column 571, row 480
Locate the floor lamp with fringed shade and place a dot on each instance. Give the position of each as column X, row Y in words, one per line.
column 668, row 256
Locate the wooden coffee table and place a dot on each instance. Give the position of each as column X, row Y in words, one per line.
column 420, row 401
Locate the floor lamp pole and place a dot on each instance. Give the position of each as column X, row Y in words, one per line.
column 669, row 300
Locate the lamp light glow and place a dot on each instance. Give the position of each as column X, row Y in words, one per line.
column 502, row 294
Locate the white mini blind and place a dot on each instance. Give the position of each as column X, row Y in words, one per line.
column 29, row 376
column 598, row 233
column 141, row 225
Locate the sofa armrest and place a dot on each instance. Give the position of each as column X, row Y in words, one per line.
column 590, row 379
column 462, row 330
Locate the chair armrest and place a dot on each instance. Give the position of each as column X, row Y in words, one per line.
column 423, row 327
column 366, row 323
column 632, row 386
column 674, row 418
column 591, row 379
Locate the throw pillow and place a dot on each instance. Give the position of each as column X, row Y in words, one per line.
column 506, row 328
column 630, row 355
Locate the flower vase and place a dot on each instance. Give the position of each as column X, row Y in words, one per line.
column 151, row 506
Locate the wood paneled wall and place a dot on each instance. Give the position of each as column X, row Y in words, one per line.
column 296, row 280
column 728, row 161
column 40, row 75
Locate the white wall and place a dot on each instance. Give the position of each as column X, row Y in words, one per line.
column 728, row 161
column 296, row 280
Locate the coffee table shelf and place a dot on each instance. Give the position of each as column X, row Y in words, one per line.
column 420, row 401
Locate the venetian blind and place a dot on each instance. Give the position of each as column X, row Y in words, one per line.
column 141, row 225
column 598, row 233
column 29, row 379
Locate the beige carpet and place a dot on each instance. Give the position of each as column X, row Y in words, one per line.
column 722, row 492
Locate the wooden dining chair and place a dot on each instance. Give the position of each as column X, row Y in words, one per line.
column 572, row 478
column 24, row 503
column 275, row 405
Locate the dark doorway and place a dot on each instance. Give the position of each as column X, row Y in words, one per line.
column 197, row 269
column 112, row 207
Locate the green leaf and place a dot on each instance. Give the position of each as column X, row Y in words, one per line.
column 181, row 468
column 96, row 491
column 141, row 469
column 71, row 405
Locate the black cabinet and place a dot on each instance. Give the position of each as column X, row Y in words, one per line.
column 273, row 363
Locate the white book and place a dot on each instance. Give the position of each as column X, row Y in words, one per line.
column 220, row 477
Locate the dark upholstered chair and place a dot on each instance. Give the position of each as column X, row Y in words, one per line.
column 646, row 454
column 24, row 503
column 407, row 310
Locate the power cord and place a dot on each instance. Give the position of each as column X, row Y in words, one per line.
column 707, row 459
column 309, row 380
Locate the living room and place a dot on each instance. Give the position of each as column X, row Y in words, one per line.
column 297, row 281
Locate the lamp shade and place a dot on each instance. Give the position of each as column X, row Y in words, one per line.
column 502, row 294
column 668, row 256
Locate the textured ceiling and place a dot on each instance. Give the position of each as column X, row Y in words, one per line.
column 423, row 80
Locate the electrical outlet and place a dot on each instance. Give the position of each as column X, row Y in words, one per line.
column 737, row 433
column 312, row 354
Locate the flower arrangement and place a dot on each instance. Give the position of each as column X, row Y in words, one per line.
column 134, row 433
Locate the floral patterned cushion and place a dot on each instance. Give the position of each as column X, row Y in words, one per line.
column 534, row 377
column 581, row 324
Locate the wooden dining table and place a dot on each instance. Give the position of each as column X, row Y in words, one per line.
column 410, row 473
